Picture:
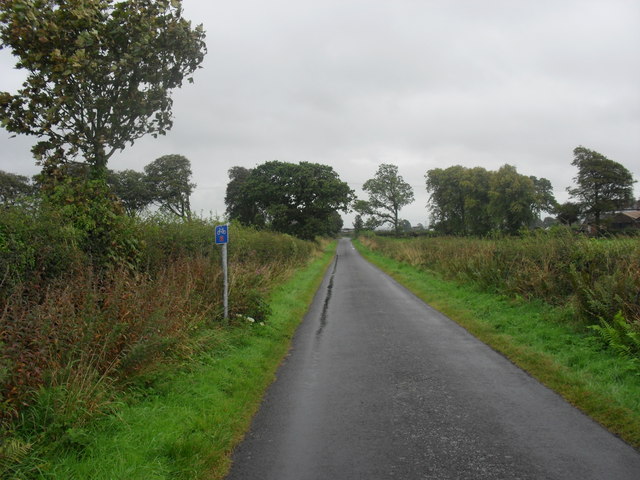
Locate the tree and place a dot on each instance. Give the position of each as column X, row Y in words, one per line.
column 447, row 199
column 388, row 193
column 513, row 200
column 474, row 201
column 603, row 185
column 358, row 225
column 299, row 199
column 545, row 200
column 568, row 213
column 14, row 187
column 132, row 188
column 459, row 199
column 99, row 74
column 405, row 226
column 169, row 181
column 237, row 206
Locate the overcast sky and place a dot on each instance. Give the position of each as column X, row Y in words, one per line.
column 418, row 83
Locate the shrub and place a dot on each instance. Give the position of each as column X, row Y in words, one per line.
column 35, row 247
column 88, row 330
column 600, row 277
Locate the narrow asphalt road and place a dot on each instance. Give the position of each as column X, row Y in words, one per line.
column 378, row 385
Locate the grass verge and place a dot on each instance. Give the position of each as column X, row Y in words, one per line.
column 539, row 339
column 184, row 423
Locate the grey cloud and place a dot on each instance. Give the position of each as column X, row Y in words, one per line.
column 419, row 83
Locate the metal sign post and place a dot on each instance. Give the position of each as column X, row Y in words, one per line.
column 222, row 238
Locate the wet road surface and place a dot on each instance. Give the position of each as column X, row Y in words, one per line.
column 379, row 386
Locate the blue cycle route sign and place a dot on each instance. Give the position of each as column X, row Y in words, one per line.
column 222, row 234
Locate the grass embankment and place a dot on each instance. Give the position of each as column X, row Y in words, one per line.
column 544, row 340
column 186, row 422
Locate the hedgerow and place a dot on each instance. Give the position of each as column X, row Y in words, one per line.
column 598, row 278
column 76, row 329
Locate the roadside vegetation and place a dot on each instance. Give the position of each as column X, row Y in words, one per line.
column 83, row 335
column 561, row 306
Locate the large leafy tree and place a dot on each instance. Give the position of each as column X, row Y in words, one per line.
column 237, row 206
column 513, row 200
column 474, row 201
column 14, row 187
column 99, row 74
column 169, row 182
column 567, row 213
column 545, row 200
column 299, row 199
column 447, row 200
column 602, row 185
column 458, row 200
column 132, row 189
column 388, row 193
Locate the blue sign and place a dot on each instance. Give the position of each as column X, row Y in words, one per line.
column 222, row 234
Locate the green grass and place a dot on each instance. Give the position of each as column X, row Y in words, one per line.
column 184, row 423
column 541, row 339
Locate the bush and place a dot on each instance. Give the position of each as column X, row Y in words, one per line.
column 73, row 332
column 600, row 277
column 35, row 247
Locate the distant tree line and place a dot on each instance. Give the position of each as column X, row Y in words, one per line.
column 304, row 199
column 164, row 183
column 476, row 201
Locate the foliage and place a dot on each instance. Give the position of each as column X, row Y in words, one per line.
column 388, row 193
column 544, row 201
column 598, row 277
column 73, row 326
column 97, row 219
column 474, row 201
column 99, row 73
column 622, row 337
column 237, row 207
column 358, row 225
column 459, row 199
column 73, row 336
column 14, row 188
column 163, row 410
column 512, row 200
column 169, row 182
column 13, row 452
column 299, row 199
column 602, row 185
column 568, row 213
column 35, row 247
column 132, row 189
